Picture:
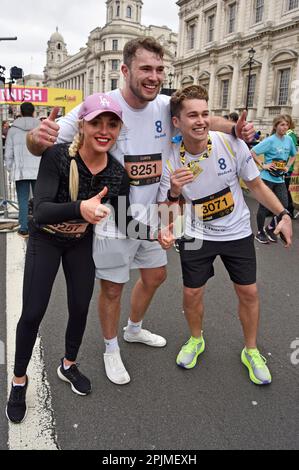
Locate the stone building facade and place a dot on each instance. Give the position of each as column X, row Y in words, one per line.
column 96, row 68
column 214, row 39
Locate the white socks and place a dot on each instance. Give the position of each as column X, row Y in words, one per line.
column 111, row 345
column 133, row 328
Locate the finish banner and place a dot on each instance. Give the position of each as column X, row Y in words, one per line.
column 39, row 96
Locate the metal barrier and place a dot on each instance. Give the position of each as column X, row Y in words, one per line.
column 8, row 205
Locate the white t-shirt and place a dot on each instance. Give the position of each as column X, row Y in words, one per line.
column 142, row 148
column 215, row 207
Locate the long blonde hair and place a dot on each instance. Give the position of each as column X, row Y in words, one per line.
column 74, row 174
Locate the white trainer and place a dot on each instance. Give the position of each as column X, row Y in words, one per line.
column 145, row 337
column 115, row 369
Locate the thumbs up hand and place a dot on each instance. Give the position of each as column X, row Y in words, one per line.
column 92, row 210
column 45, row 135
column 245, row 130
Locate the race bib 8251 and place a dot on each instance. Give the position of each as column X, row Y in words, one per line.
column 144, row 169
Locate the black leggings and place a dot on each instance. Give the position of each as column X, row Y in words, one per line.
column 280, row 190
column 43, row 257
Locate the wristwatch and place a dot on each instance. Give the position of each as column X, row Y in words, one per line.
column 282, row 213
column 172, row 198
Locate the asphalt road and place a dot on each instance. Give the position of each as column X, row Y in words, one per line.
column 213, row 406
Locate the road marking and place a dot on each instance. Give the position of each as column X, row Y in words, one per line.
column 37, row 432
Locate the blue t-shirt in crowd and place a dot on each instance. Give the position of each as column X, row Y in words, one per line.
column 275, row 149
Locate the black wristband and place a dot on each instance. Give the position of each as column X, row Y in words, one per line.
column 171, row 198
column 282, row 213
column 233, row 132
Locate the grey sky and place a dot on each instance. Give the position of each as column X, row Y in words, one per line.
column 33, row 22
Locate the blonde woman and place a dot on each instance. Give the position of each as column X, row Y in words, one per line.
column 73, row 182
column 279, row 154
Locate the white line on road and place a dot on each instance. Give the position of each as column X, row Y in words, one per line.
column 37, row 432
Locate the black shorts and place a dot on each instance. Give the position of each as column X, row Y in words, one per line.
column 238, row 257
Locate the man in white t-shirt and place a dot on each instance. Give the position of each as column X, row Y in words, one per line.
column 142, row 146
column 205, row 167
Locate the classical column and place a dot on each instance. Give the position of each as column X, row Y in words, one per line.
column 218, row 19
column 241, row 17
column 212, row 81
column 263, row 81
column 181, row 37
column 235, row 79
column 295, row 94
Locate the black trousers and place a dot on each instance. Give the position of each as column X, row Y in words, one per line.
column 280, row 190
column 43, row 257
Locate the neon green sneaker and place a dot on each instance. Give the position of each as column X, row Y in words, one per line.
column 189, row 353
column 256, row 364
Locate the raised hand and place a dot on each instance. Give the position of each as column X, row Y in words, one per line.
column 46, row 133
column 92, row 210
column 245, row 130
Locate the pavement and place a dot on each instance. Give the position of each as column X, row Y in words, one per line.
column 213, row 406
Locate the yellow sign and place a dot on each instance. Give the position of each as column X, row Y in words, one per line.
column 294, row 182
column 40, row 96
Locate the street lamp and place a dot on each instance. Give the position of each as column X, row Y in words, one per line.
column 251, row 53
column 170, row 78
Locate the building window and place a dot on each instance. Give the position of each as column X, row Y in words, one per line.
column 129, row 12
column 224, row 93
column 232, row 17
column 117, row 10
column 191, row 36
column 115, row 45
column 211, row 27
column 284, row 82
column 259, row 10
column 104, row 45
column 251, row 91
column 113, row 83
column 59, row 46
column 293, row 4
column 114, row 65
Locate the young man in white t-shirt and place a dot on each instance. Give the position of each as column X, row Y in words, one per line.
column 141, row 147
column 205, row 167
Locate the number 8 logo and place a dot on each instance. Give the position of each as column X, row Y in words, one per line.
column 222, row 163
column 158, row 126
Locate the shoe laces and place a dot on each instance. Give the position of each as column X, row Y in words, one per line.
column 190, row 345
column 73, row 372
column 259, row 360
column 18, row 394
column 117, row 362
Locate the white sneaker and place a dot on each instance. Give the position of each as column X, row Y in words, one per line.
column 146, row 337
column 115, row 369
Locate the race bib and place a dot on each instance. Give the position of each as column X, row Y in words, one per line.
column 144, row 169
column 71, row 229
column 279, row 164
column 215, row 205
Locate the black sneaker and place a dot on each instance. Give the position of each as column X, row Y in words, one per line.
column 261, row 237
column 270, row 234
column 16, row 409
column 79, row 383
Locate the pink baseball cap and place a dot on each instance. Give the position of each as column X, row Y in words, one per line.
column 99, row 103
